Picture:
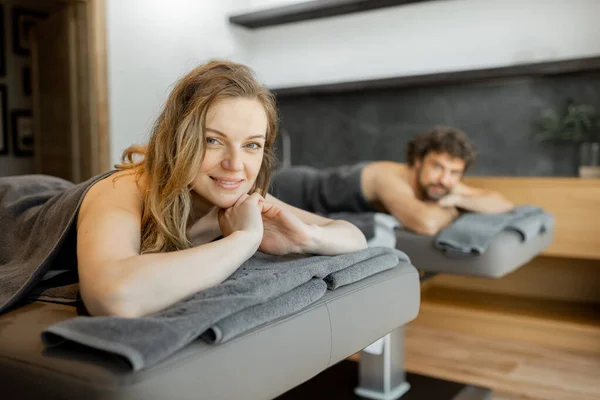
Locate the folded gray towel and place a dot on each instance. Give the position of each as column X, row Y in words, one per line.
column 334, row 192
column 532, row 224
column 356, row 272
column 471, row 233
column 263, row 278
column 282, row 306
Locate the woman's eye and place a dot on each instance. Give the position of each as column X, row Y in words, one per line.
column 211, row 141
column 253, row 146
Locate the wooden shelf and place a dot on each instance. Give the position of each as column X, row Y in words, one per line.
column 311, row 10
column 533, row 70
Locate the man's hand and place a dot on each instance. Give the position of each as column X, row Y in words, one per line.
column 479, row 200
column 450, row 200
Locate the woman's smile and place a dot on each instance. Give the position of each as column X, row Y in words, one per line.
column 227, row 183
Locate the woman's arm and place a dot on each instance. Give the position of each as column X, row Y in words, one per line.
column 116, row 280
column 326, row 236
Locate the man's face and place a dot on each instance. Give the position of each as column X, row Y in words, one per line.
column 438, row 174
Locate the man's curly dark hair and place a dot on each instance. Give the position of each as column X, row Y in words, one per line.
column 442, row 139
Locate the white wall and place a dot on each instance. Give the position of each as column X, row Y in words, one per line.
column 256, row 5
column 16, row 98
column 151, row 43
column 424, row 38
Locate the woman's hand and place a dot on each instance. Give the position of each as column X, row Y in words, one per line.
column 284, row 233
column 244, row 217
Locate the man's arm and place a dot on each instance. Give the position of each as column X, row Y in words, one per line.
column 476, row 200
column 399, row 200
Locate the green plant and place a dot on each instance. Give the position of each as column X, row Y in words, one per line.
column 579, row 123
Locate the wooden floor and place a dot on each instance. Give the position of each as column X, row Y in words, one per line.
column 514, row 370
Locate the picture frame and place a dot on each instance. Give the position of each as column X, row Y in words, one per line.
column 22, row 22
column 22, row 132
column 3, row 120
column 2, row 42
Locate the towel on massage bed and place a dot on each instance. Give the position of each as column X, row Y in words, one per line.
column 471, row 234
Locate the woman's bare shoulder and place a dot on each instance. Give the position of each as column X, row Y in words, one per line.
column 121, row 190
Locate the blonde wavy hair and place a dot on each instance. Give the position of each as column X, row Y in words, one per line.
column 175, row 152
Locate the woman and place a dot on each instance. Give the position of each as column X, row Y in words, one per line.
column 149, row 234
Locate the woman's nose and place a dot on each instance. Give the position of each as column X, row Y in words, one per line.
column 232, row 161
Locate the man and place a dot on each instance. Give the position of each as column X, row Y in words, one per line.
column 426, row 194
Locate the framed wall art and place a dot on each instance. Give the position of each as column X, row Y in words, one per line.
column 22, row 132
column 3, row 121
column 22, row 22
column 2, row 43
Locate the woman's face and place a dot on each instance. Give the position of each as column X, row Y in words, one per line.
column 235, row 136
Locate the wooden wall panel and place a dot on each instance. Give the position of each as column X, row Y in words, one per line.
column 575, row 203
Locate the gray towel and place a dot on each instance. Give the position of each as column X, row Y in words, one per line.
column 357, row 272
column 263, row 278
column 36, row 218
column 471, row 233
column 297, row 298
column 284, row 305
column 385, row 231
column 61, row 288
column 334, row 192
column 532, row 224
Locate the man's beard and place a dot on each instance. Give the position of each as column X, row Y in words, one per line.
column 434, row 197
column 425, row 189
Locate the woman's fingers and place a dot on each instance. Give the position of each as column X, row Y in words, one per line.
column 240, row 200
column 271, row 210
column 266, row 206
column 254, row 199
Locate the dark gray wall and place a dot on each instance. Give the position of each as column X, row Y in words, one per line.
column 499, row 117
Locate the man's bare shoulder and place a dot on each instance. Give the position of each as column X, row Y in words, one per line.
column 389, row 170
column 380, row 174
column 388, row 166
